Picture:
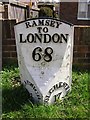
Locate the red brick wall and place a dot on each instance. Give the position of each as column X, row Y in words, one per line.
column 69, row 12
column 8, row 42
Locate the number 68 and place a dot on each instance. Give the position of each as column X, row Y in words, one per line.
column 37, row 54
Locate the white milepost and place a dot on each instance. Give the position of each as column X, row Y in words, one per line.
column 45, row 51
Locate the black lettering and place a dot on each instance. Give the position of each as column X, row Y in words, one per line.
column 65, row 84
column 31, row 84
column 39, row 29
column 34, row 88
column 38, row 95
column 30, row 38
column 57, row 24
column 21, row 39
column 60, row 84
column 48, row 52
column 34, row 24
column 36, row 54
column 47, row 38
column 28, row 24
column 47, row 98
column 67, row 88
column 51, row 90
column 45, row 29
column 40, row 22
column 47, row 22
column 39, row 98
column 25, row 82
column 55, row 38
column 65, row 37
column 57, row 96
column 56, row 86
column 60, row 40
column 52, row 24
column 39, row 37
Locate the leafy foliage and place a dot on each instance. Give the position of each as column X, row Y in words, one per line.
column 45, row 12
column 17, row 103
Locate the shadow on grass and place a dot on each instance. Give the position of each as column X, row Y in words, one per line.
column 14, row 98
column 78, row 69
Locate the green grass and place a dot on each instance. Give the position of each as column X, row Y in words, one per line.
column 16, row 100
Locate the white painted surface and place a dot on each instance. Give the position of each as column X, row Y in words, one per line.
column 45, row 76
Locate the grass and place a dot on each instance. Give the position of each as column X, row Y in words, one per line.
column 16, row 102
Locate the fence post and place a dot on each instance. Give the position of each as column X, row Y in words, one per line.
column 5, row 14
column 0, row 45
column 28, row 11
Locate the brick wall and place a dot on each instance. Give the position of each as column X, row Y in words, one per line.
column 8, row 42
column 69, row 12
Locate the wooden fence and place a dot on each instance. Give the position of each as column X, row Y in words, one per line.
column 16, row 11
column 0, row 45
